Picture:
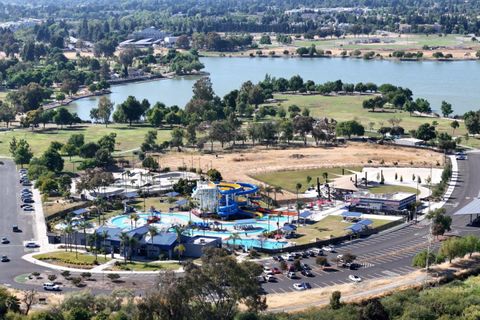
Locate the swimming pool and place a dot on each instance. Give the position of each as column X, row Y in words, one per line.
column 255, row 243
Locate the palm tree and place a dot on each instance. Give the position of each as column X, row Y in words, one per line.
column 268, row 190
column 299, row 207
column 234, row 237
column 325, row 176
column 309, row 179
column 298, row 186
column 179, row 249
column 68, row 231
column 104, row 237
column 134, row 217
column 277, row 189
column 93, row 240
column 152, row 232
column 84, row 225
column 124, row 240
column 132, row 243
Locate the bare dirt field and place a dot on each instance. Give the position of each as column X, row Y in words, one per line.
column 242, row 165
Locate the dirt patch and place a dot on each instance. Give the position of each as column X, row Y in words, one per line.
column 241, row 166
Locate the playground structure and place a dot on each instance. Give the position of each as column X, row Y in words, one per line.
column 232, row 199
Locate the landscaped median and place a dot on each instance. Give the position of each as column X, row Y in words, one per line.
column 71, row 259
column 144, row 266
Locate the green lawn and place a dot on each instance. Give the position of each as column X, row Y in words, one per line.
column 343, row 108
column 288, row 179
column 67, row 258
column 128, row 138
column 392, row 189
column 146, row 266
column 329, row 227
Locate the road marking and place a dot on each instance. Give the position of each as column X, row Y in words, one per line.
column 390, row 273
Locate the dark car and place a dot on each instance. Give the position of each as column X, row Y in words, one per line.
column 307, row 273
column 15, row 228
column 5, row 240
column 305, row 266
column 5, row 259
column 30, row 208
column 27, row 184
column 28, row 200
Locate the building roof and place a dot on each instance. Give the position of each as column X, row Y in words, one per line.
column 113, row 233
column 164, row 239
column 472, row 208
column 397, row 196
column 355, row 228
column 80, row 211
column 352, row 214
column 131, row 194
column 365, row 222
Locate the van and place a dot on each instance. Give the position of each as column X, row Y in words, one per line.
column 15, row 228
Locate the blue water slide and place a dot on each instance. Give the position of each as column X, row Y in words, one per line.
column 247, row 188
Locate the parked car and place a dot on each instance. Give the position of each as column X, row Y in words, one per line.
column 50, row 286
column 15, row 228
column 5, row 240
column 276, row 270
column 302, row 286
column 270, row 278
column 28, row 200
column 31, row 245
column 461, row 156
column 267, row 269
column 5, row 259
column 354, row 278
column 305, row 266
column 27, row 184
column 328, row 248
column 291, row 275
column 307, row 273
column 261, row 279
column 23, row 170
column 28, row 208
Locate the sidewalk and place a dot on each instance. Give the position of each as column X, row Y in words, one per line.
column 39, row 223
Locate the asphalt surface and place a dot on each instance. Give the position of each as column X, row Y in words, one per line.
column 382, row 255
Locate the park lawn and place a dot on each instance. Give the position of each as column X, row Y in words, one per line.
column 329, row 227
column 392, row 189
column 69, row 259
column 128, row 138
column 152, row 202
column 146, row 266
column 288, row 179
column 344, row 108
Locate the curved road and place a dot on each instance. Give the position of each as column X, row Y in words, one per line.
column 381, row 255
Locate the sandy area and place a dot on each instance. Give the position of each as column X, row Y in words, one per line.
column 241, row 165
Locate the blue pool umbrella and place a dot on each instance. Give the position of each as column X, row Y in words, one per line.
column 172, row 194
column 288, row 228
column 181, row 202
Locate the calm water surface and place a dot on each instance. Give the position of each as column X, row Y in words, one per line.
column 455, row 82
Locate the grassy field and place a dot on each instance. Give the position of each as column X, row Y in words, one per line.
column 329, row 227
column 343, row 108
column 392, row 189
column 67, row 258
column 288, row 179
column 128, row 138
column 144, row 266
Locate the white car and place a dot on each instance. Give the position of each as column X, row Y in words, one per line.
column 328, row 249
column 50, row 286
column 270, row 278
column 267, row 270
column 299, row 286
column 31, row 245
column 354, row 278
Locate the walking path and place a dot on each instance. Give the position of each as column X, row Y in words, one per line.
column 40, row 225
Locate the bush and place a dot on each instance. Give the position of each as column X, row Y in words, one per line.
column 113, row 277
column 52, row 277
column 76, row 281
column 65, row 274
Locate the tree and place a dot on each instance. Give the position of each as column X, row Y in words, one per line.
column 303, row 125
column 88, row 150
column 349, row 128
column 423, row 105
column 130, row 110
column 202, row 89
column 454, row 125
column 63, row 117
column 21, row 152
column 156, row 114
column 472, row 121
column 214, row 175
column 374, row 310
column 7, row 113
column 150, row 163
column 265, row 39
column 103, row 157
column 108, row 141
column 426, row 132
column 445, row 142
column 440, row 222
column 105, row 109
column 52, row 160
column 177, row 138
column 453, row 248
column 335, row 300
column 446, row 109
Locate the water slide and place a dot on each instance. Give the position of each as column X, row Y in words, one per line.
column 231, row 190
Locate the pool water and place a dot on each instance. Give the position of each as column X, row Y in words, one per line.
column 250, row 243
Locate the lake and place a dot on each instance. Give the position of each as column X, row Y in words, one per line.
column 455, row 82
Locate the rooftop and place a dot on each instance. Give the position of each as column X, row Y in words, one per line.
column 397, row 196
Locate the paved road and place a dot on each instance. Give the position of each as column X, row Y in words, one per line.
column 381, row 255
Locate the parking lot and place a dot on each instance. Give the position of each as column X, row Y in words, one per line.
column 379, row 256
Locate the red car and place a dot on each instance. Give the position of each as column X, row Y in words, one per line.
column 276, row 271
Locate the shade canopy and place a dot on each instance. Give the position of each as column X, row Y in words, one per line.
column 352, row 214
column 181, row 202
column 472, row 208
column 172, row 194
column 80, row 211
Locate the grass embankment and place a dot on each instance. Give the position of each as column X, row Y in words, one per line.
column 145, row 266
column 128, row 138
column 392, row 189
column 57, row 204
column 71, row 259
column 329, row 227
column 344, row 108
column 287, row 180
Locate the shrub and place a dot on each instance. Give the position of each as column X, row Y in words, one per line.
column 113, row 276
column 65, row 274
column 52, row 277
